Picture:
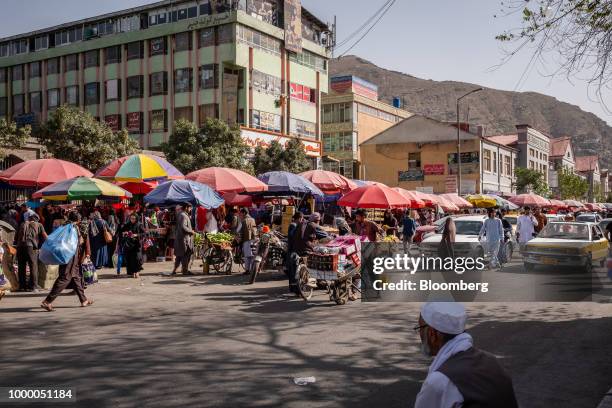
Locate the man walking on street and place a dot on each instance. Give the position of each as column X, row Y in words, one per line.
column 525, row 227
column 408, row 231
column 183, row 239
column 248, row 233
column 493, row 232
column 460, row 375
column 30, row 236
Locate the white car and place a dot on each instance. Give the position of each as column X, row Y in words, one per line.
column 466, row 239
column 589, row 217
column 554, row 217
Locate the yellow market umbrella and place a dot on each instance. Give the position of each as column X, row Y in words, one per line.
column 482, row 200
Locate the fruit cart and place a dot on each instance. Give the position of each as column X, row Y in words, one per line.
column 217, row 252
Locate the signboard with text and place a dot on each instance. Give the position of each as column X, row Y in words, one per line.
column 255, row 138
column 451, row 184
column 470, row 163
column 293, row 25
column 410, row 175
column 433, row 169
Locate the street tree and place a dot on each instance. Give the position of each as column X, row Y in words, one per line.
column 571, row 185
column 577, row 34
column 268, row 159
column 73, row 135
column 12, row 137
column 215, row 144
column 528, row 180
column 294, row 157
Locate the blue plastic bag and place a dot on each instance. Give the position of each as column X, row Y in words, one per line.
column 60, row 246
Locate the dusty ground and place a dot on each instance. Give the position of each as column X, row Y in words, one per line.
column 214, row 341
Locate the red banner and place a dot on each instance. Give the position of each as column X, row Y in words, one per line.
column 113, row 122
column 433, row 169
column 134, row 121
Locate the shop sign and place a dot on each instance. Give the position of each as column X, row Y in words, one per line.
column 433, row 169
column 451, row 184
column 113, row 122
column 410, row 175
column 470, row 163
column 426, row 190
column 254, row 138
column 134, row 122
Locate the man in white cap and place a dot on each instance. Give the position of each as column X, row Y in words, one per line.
column 460, row 375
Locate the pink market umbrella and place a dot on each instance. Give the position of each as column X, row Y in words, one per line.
column 573, row 203
column 415, row 202
column 42, row 173
column 226, row 180
column 447, row 205
column 430, row 200
column 558, row 204
column 529, row 200
column 328, row 181
column 374, row 196
column 457, row 200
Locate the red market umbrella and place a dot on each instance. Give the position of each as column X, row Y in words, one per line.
column 593, row 207
column 457, row 200
column 558, row 204
column 529, row 200
column 447, row 205
column 430, row 200
column 374, row 196
column 415, row 202
column 42, row 172
column 144, row 187
column 226, row 180
column 329, row 181
column 238, row 200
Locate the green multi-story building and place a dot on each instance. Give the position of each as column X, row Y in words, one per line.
column 261, row 64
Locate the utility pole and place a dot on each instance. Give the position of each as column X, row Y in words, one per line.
column 459, row 139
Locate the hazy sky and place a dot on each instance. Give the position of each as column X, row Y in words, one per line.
column 433, row 39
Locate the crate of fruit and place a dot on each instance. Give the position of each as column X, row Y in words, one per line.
column 323, row 262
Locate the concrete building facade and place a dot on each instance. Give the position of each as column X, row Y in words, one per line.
column 421, row 153
column 351, row 115
column 260, row 64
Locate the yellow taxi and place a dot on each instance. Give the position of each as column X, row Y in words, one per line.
column 580, row 244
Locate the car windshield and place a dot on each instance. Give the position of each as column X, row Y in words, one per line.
column 468, row 227
column 565, row 231
column 586, row 218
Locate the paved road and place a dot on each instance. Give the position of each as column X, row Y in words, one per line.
column 208, row 341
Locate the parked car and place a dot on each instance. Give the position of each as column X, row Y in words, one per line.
column 603, row 224
column 554, row 217
column 580, row 244
column 589, row 217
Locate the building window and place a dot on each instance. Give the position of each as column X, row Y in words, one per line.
column 72, row 95
column 182, row 41
column 309, row 59
column 112, row 55
column 545, row 157
column 18, row 104
column 307, row 129
column 531, row 165
column 41, row 43
column 266, row 83
column 53, row 98
column 135, row 87
column 209, row 76
column 494, row 162
column 2, row 75
column 36, row 102
column 486, row 160
column 17, row 72
column 258, row 40
column 206, row 37
column 92, row 93
column 3, row 106
column 208, row 111
column 113, row 122
column 158, row 83
column 507, row 162
column 183, row 113
column 183, row 80
column 53, row 66
column 158, row 46
column 68, row 36
column 338, row 113
column 225, row 34
column 158, row 120
column 34, row 69
column 92, row 59
column 302, row 93
column 135, row 50
column 414, row 160
column 265, row 121
column 135, row 122
column 112, row 90
column 71, row 62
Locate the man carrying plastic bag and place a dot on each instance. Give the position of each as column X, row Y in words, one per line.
column 66, row 247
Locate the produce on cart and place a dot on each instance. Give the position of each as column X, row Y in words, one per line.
column 217, row 251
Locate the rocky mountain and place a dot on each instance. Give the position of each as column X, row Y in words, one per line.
column 498, row 110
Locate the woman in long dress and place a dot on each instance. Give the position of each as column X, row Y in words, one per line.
column 99, row 250
column 70, row 275
column 130, row 236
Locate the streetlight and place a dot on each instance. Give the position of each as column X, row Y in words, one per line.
column 459, row 140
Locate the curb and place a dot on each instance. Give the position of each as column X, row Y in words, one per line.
column 606, row 402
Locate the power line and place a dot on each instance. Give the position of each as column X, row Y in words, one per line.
column 363, row 26
column 369, row 29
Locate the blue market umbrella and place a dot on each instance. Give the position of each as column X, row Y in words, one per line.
column 184, row 191
column 285, row 183
column 505, row 204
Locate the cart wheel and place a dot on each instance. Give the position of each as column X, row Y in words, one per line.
column 229, row 263
column 303, row 286
column 255, row 266
column 341, row 292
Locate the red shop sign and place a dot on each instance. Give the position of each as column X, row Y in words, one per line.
column 113, row 122
column 433, row 169
column 133, row 121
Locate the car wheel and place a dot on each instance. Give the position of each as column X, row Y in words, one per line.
column 602, row 263
column 588, row 267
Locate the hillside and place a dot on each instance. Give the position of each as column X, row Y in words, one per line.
column 498, row 110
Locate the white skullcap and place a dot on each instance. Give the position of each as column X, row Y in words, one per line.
column 445, row 317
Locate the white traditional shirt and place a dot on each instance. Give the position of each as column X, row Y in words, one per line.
column 525, row 227
column 438, row 391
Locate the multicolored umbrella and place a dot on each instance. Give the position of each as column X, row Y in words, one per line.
column 374, row 196
column 328, row 181
column 81, row 188
column 138, row 168
column 42, row 172
column 226, row 180
column 529, row 200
